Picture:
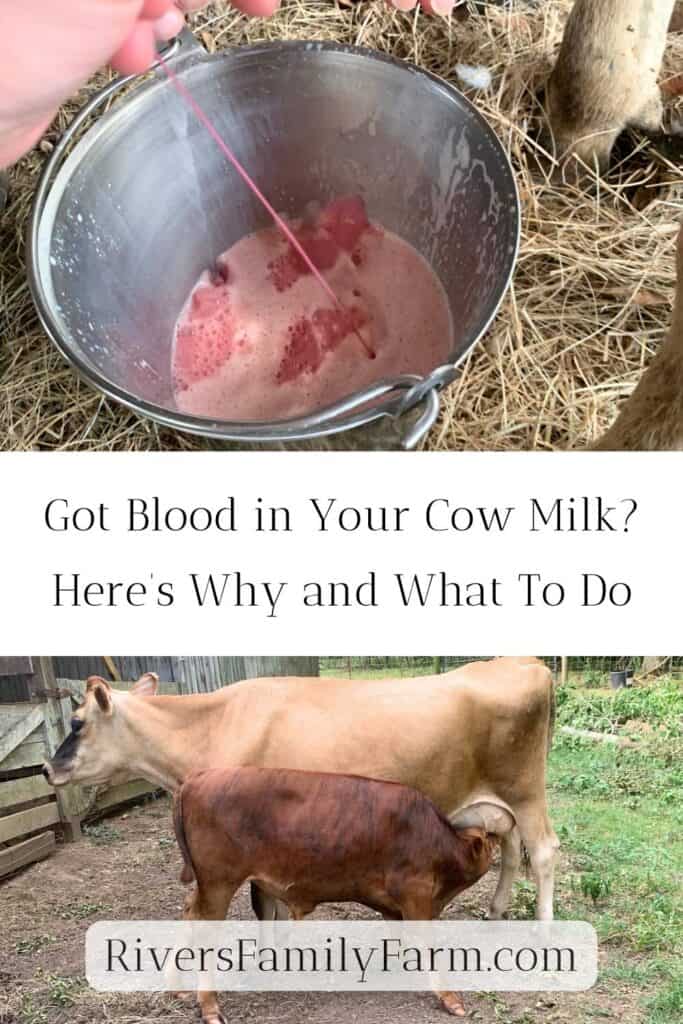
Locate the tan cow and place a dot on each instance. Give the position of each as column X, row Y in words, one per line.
column 605, row 78
column 481, row 732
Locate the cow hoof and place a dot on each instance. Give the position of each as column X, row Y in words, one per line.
column 453, row 1004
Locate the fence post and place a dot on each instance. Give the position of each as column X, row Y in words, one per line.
column 43, row 687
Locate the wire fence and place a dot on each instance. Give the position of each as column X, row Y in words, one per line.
column 588, row 669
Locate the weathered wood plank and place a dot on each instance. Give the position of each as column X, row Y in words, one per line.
column 29, row 754
column 15, row 667
column 13, row 825
column 77, row 687
column 11, row 713
column 120, row 794
column 19, row 791
column 18, row 732
column 17, row 856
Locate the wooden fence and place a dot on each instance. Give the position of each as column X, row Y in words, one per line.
column 36, row 706
column 31, row 811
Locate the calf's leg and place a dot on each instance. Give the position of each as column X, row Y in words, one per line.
column 651, row 418
column 605, row 77
column 419, row 906
column 209, row 904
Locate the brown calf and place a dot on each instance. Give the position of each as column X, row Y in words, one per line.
column 314, row 837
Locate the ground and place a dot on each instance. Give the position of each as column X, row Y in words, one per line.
column 129, row 867
column 619, row 815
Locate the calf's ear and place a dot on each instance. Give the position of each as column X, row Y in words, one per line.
column 146, row 686
column 101, row 691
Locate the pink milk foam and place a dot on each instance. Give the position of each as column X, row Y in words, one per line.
column 259, row 339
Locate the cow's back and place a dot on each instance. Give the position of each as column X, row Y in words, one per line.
column 480, row 729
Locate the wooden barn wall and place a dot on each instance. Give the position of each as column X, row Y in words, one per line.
column 186, row 674
column 15, row 674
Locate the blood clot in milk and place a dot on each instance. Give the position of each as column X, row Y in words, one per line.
column 259, row 339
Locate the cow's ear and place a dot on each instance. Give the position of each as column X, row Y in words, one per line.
column 146, row 685
column 101, row 691
column 475, row 839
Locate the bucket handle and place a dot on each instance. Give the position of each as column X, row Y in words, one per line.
column 184, row 46
column 392, row 398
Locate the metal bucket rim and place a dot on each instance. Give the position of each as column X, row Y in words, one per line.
column 340, row 416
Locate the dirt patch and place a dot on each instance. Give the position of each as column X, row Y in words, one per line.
column 128, row 867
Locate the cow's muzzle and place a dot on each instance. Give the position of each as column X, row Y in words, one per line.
column 56, row 776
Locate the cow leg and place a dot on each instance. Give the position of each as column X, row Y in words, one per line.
column 605, row 77
column 510, row 856
column 420, row 907
column 542, row 845
column 651, row 418
column 210, row 904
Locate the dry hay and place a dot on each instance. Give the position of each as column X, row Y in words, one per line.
column 592, row 292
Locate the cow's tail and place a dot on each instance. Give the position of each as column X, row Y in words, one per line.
column 187, row 874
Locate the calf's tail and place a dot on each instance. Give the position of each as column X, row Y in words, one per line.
column 187, row 874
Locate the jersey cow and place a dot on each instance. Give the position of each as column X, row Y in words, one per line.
column 481, row 732
column 313, row 837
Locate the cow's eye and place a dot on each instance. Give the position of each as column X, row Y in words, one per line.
column 76, row 724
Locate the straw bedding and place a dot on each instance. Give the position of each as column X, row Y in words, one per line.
column 592, row 292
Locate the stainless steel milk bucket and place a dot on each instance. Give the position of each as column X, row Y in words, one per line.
column 133, row 205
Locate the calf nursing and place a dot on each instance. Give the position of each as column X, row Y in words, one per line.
column 313, row 837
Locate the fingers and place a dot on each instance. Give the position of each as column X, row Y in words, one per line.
column 153, row 9
column 159, row 20
column 169, row 24
column 137, row 52
column 440, row 7
column 257, row 8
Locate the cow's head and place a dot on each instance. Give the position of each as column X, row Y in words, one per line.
column 96, row 749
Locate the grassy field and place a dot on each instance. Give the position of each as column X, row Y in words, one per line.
column 619, row 815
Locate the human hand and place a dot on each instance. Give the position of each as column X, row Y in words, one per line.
column 442, row 7
column 51, row 47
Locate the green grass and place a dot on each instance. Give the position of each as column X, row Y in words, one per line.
column 619, row 816
column 101, row 833
column 64, row 991
column 80, row 911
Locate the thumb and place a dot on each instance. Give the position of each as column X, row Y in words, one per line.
column 160, row 19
